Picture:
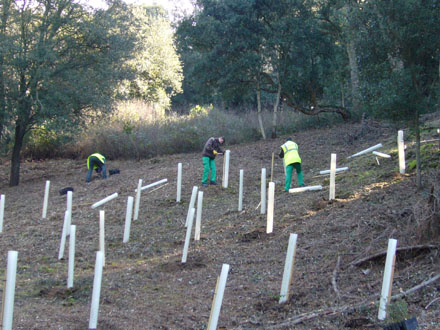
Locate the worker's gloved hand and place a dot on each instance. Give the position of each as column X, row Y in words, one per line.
column 215, row 152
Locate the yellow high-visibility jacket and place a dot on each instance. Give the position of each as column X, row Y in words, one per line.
column 99, row 156
column 291, row 154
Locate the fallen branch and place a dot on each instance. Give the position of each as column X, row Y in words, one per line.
column 337, row 310
column 335, row 276
column 432, row 301
column 417, row 287
column 384, row 252
column 258, row 206
column 157, row 188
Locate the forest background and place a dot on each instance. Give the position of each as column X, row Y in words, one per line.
column 128, row 82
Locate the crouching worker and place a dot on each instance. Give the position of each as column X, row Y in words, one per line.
column 289, row 151
column 96, row 162
column 211, row 149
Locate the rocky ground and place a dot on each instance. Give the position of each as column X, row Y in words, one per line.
column 145, row 285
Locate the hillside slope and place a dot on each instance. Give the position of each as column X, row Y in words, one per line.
column 145, row 285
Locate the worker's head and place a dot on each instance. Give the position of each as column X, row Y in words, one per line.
column 221, row 139
column 288, row 139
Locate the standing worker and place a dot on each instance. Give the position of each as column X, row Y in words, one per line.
column 289, row 151
column 211, row 149
column 96, row 162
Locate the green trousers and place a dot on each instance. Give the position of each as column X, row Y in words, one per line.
column 209, row 164
column 289, row 170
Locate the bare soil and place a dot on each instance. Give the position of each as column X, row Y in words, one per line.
column 145, row 285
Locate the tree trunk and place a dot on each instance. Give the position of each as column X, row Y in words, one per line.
column 354, row 72
column 14, row 179
column 260, row 119
column 275, row 110
column 342, row 94
column 418, row 162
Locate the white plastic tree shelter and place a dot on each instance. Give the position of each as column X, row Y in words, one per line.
column 218, row 298
column 381, row 154
column 97, row 280
column 192, row 202
column 270, row 207
column 138, row 200
column 332, row 177
column 63, row 235
column 263, row 191
column 363, row 152
column 288, row 269
column 226, row 169
column 71, row 265
column 387, row 283
column 240, row 192
column 9, row 293
column 105, row 200
column 46, row 199
column 401, row 150
column 198, row 216
column 128, row 216
column 340, row 169
column 151, row 185
column 69, row 208
column 2, row 211
column 188, row 234
column 179, row 182
column 302, row 189
column 102, row 233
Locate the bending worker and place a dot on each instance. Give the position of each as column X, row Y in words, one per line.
column 289, row 151
column 96, row 162
column 211, row 149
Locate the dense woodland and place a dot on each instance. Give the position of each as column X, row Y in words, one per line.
column 65, row 65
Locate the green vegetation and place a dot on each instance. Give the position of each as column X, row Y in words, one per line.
column 398, row 311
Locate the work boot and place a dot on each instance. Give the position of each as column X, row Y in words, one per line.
column 213, row 183
column 205, row 184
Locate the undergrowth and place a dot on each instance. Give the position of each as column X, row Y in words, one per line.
column 137, row 131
